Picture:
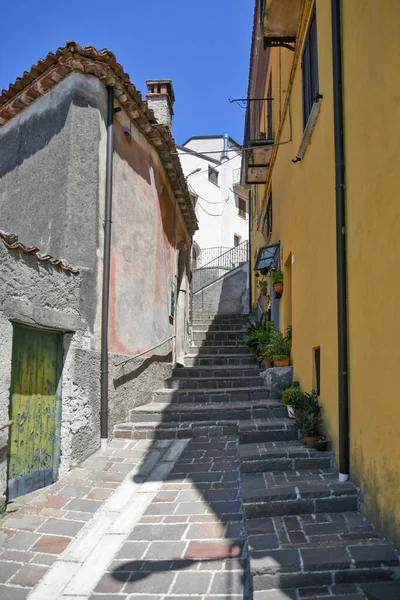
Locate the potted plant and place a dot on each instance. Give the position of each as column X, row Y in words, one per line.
column 321, row 445
column 309, row 419
column 277, row 282
column 293, row 398
column 262, row 285
column 279, row 349
column 258, row 335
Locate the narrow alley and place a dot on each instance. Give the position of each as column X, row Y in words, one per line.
column 199, row 319
column 211, row 497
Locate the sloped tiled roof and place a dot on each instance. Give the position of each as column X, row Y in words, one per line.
column 10, row 240
column 72, row 57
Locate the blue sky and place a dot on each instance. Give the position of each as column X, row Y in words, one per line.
column 202, row 46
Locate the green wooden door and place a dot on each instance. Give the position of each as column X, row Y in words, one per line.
column 34, row 409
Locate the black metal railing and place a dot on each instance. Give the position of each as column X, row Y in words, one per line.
column 206, row 255
column 220, row 266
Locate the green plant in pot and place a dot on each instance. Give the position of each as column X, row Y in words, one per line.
column 262, row 285
column 293, row 399
column 258, row 335
column 279, row 349
column 277, row 282
column 309, row 418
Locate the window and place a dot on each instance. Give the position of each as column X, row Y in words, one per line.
column 242, row 207
column 236, row 240
column 267, row 257
column 267, row 223
column 194, row 199
column 309, row 67
column 212, row 175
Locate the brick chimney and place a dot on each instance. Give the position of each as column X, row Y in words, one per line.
column 160, row 98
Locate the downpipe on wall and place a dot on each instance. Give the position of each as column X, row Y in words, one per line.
column 341, row 262
column 106, row 273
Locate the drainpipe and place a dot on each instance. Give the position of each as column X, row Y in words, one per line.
column 106, row 273
column 340, row 245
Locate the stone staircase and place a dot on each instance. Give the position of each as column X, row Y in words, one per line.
column 305, row 535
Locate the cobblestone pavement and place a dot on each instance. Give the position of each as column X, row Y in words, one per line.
column 132, row 522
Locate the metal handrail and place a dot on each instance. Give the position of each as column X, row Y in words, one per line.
column 146, row 351
column 221, row 256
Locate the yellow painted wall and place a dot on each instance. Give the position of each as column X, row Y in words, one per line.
column 372, row 144
column 304, row 223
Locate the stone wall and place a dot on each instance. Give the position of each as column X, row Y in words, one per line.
column 228, row 295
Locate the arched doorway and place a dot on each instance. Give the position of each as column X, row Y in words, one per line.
column 195, row 256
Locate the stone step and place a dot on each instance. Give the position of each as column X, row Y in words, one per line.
column 249, row 394
column 206, row 316
column 325, row 549
column 207, row 371
column 206, row 412
column 220, row 360
column 218, row 336
column 310, row 594
column 205, row 327
column 382, row 591
column 274, row 457
column 309, row 498
column 215, row 344
column 207, row 383
column 178, row 430
column 228, row 349
column 270, row 430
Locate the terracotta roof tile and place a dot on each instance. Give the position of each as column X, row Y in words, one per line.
column 10, row 240
column 102, row 64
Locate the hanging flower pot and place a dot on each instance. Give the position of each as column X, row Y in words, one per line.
column 278, row 287
column 263, row 291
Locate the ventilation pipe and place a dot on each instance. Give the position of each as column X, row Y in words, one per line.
column 225, row 151
column 341, row 261
column 106, row 273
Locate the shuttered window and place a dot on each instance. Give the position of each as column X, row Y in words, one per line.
column 309, row 66
column 242, row 207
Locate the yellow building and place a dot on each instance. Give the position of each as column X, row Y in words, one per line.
column 334, row 232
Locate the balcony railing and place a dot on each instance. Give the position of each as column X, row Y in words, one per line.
column 220, row 266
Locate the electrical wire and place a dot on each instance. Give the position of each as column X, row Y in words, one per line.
column 205, row 199
column 206, row 211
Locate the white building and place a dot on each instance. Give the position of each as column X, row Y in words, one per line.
column 211, row 165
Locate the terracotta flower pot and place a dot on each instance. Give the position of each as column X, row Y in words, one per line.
column 278, row 287
column 267, row 363
column 263, row 291
column 310, row 440
column 281, row 363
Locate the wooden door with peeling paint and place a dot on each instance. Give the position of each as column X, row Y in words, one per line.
column 35, row 409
